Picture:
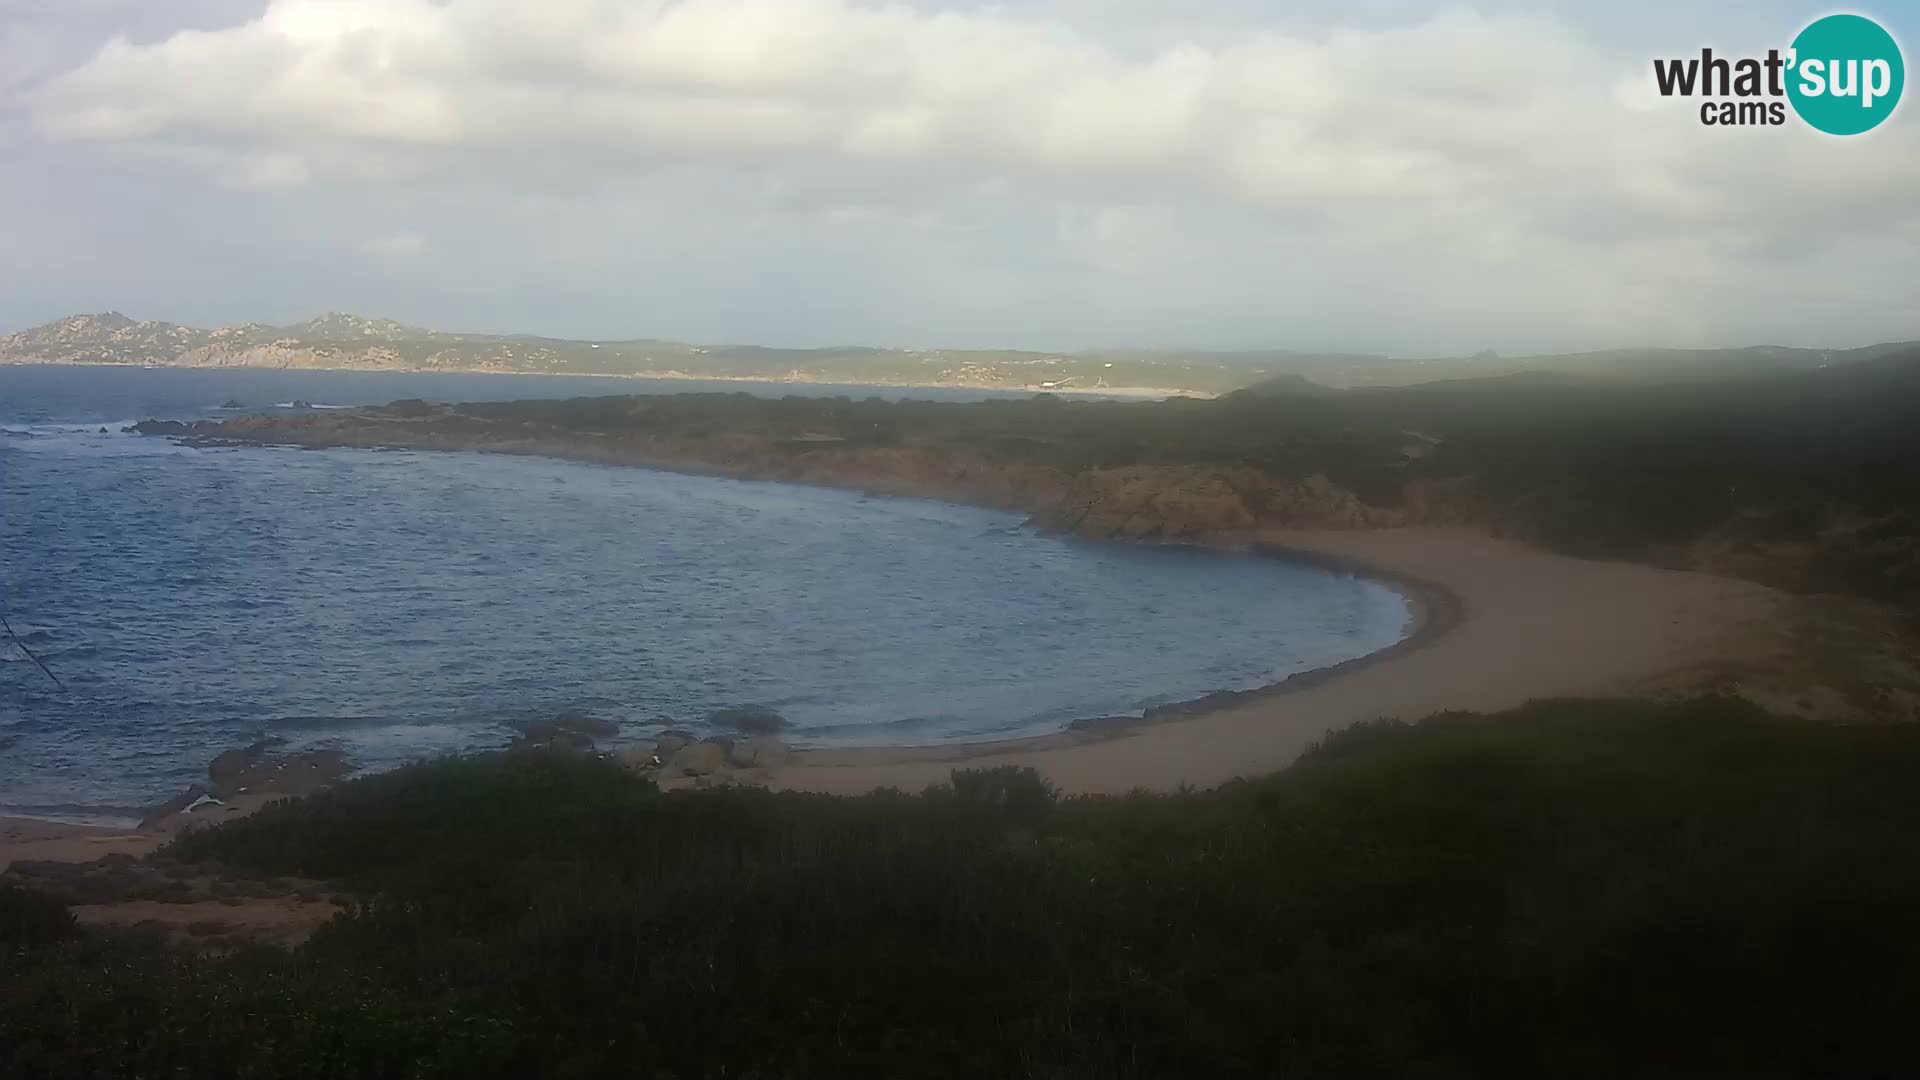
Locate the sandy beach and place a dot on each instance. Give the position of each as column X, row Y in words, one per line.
column 1530, row 625
column 1525, row 624
column 35, row 840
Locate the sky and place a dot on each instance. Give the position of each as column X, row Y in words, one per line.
column 1355, row 175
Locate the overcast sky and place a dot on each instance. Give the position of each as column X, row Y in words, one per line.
column 1368, row 175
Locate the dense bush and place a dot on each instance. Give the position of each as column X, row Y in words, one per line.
column 1573, row 888
column 1626, row 469
column 28, row 917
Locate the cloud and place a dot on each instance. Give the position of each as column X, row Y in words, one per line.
column 1456, row 109
column 1469, row 172
column 400, row 243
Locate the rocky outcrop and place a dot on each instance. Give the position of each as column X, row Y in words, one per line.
column 258, row 767
column 571, row 730
column 701, row 759
column 1176, row 503
column 670, row 743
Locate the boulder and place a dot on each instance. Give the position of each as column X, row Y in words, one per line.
column 760, row 752
column 750, row 719
column 670, row 742
column 700, row 759
column 639, row 756
column 229, row 767
column 261, row 768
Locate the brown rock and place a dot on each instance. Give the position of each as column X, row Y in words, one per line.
column 762, row 752
column 700, row 759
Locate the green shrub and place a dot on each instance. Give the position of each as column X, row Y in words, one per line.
column 1016, row 792
column 1572, row 889
column 30, row 917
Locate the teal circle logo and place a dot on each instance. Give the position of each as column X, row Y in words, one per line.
column 1846, row 74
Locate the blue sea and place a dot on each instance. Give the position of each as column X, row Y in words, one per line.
column 404, row 604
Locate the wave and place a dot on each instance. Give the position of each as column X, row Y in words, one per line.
column 309, row 405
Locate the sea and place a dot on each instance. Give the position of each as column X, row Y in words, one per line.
column 399, row 605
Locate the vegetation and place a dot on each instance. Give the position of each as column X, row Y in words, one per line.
column 1801, row 480
column 339, row 340
column 1570, row 889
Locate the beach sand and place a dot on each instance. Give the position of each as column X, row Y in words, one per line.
column 34, row 840
column 1518, row 623
column 1529, row 624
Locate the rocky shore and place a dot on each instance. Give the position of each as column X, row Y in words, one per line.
column 1498, row 619
column 1146, row 502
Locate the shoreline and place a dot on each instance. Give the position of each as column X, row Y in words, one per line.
column 1486, row 641
column 1432, row 611
column 1493, row 632
column 1141, row 393
column 1261, row 729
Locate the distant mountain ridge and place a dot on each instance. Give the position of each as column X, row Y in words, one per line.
column 347, row 341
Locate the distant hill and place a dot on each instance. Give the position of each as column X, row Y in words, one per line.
column 339, row 340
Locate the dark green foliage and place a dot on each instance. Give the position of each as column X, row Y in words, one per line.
column 1633, row 470
column 1019, row 794
column 28, row 917
column 1569, row 889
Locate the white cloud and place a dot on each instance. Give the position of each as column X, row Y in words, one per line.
column 1465, row 172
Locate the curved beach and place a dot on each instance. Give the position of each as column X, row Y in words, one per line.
column 1528, row 624
column 1501, row 623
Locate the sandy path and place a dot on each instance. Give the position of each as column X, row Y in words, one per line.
column 1531, row 625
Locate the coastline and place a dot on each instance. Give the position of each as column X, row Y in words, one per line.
column 1142, row 393
column 1492, row 631
column 1498, row 636
column 1664, row 627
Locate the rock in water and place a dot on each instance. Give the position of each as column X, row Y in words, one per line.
column 751, row 719
column 261, row 768
column 230, row 766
